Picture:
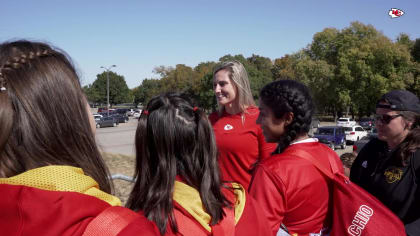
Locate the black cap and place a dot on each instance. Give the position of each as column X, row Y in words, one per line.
column 400, row 100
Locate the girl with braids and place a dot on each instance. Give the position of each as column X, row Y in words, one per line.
column 239, row 139
column 291, row 191
column 388, row 167
column 52, row 177
column 177, row 177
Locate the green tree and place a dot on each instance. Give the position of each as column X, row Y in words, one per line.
column 179, row 79
column 324, row 45
column 405, row 40
column 284, row 68
column 118, row 89
column 415, row 52
column 202, row 88
column 148, row 89
column 355, row 65
column 262, row 64
column 318, row 75
column 91, row 94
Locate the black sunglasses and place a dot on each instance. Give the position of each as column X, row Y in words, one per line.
column 385, row 119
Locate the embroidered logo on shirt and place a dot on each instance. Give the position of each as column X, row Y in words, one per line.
column 364, row 164
column 228, row 127
column 393, row 174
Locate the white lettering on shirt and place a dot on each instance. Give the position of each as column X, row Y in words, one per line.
column 360, row 220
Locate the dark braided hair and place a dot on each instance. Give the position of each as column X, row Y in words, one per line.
column 284, row 96
column 16, row 62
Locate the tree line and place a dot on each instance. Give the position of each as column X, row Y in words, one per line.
column 347, row 71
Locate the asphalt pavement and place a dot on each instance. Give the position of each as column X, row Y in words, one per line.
column 118, row 140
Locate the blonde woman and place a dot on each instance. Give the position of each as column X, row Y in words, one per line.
column 239, row 139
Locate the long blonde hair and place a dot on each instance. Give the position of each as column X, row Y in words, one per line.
column 239, row 77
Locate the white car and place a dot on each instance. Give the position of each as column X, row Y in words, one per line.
column 355, row 133
column 130, row 112
column 136, row 114
column 97, row 116
column 345, row 121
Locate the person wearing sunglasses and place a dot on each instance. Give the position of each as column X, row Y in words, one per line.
column 388, row 167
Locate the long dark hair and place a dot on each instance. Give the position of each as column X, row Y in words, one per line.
column 43, row 113
column 174, row 138
column 411, row 143
column 284, row 96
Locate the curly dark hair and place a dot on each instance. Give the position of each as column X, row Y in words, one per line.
column 284, row 96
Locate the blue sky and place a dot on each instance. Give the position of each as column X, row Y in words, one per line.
column 138, row 36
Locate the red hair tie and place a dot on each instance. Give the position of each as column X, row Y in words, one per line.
column 146, row 112
column 195, row 108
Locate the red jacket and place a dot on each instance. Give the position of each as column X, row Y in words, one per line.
column 28, row 210
column 241, row 145
column 292, row 191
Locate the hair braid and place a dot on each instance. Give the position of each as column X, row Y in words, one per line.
column 18, row 62
column 289, row 96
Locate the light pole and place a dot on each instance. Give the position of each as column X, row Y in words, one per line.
column 107, row 86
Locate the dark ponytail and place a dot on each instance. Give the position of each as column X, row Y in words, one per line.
column 174, row 138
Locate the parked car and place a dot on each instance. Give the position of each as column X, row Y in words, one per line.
column 97, row 116
column 354, row 133
column 122, row 118
column 367, row 123
column 130, row 112
column 315, row 122
column 345, row 121
column 333, row 136
column 104, row 109
column 106, row 121
column 137, row 114
column 121, row 110
column 358, row 145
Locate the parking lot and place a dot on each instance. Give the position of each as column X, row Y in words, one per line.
column 120, row 139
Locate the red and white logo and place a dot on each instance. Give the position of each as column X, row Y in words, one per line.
column 228, row 127
column 395, row 12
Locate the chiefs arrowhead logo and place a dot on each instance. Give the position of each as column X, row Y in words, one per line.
column 395, row 12
column 228, row 127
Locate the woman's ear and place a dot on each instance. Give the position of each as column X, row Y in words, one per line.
column 409, row 125
column 288, row 118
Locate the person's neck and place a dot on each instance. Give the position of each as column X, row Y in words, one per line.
column 232, row 109
column 300, row 138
